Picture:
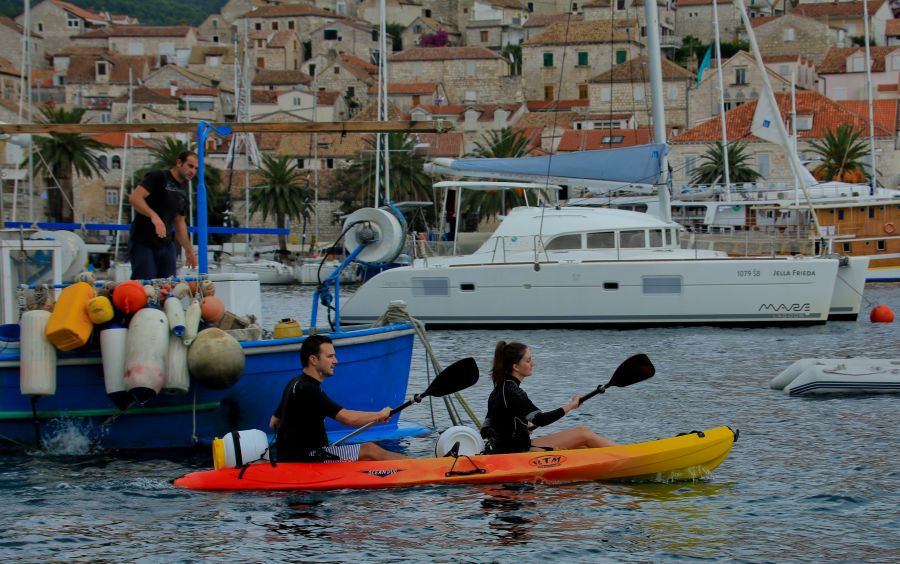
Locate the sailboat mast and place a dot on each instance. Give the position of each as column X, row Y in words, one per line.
column 725, row 162
column 383, row 60
column 654, row 58
column 869, row 95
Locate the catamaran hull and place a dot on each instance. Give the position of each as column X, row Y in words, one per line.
column 776, row 291
column 685, row 457
column 196, row 418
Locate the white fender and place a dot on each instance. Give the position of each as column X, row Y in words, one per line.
column 177, row 379
column 175, row 315
column 146, row 349
column 37, row 364
column 112, row 351
column 191, row 322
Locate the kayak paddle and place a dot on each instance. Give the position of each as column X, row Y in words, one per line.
column 458, row 376
column 635, row 369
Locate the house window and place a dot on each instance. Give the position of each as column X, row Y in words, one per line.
column 804, row 123
column 106, row 117
column 621, row 57
column 690, row 164
column 789, row 34
column 260, row 43
column 351, row 91
column 291, row 24
column 312, row 71
column 297, row 101
column 763, row 164
column 329, row 163
column 112, row 197
column 102, row 162
column 871, row 212
column 40, row 27
column 672, row 92
column 848, row 248
column 417, row 69
column 582, row 91
column 548, row 59
column 301, row 163
column 116, row 162
column 341, row 8
column 612, row 139
column 582, row 59
column 484, row 36
column 330, row 34
column 470, row 68
column 857, row 64
column 261, row 62
column 73, row 23
column 257, row 26
column 215, row 38
column 548, row 92
column 274, row 26
column 639, row 92
column 531, row 7
column 605, row 94
column 620, row 5
column 840, row 214
column 740, row 75
column 101, row 69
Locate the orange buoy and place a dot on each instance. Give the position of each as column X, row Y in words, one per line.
column 129, row 296
column 212, row 309
column 881, row 314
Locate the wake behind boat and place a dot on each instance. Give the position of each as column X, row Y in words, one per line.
column 685, row 457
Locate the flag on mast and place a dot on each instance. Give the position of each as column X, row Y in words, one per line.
column 704, row 64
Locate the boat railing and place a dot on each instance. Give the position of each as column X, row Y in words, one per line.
column 753, row 242
column 767, row 191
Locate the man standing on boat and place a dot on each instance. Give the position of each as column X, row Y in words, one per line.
column 161, row 203
column 299, row 421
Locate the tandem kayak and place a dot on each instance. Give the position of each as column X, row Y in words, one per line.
column 684, row 457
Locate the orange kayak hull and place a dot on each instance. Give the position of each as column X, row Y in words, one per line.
column 685, row 457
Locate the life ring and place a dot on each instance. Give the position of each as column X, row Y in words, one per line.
column 889, row 227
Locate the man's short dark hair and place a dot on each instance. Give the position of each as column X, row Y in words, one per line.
column 183, row 156
column 311, row 347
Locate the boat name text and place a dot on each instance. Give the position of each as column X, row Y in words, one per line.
column 785, row 307
column 793, row 272
column 381, row 473
column 547, row 461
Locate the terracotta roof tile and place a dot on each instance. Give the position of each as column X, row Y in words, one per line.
column 266, row 77
column 544, row 20
column 442, row 109
column 884, row 111
column 549, row 106
column 761, row 20
column 328, row 97
column 76, row 50
column 137, row 31
column 578, row 33
column 835, row 61
column 7, row 67
column 449, row 144
column 78, row 11
column 199, row 53
column 515, row 4
column 444, row 53
column 285, row 10
column 637, row 69
column 282, row 38
column 265, row 96
column 82, row 68
column 547, row 119
column 835, row 9
column 115, row 139
column 401, row 88
column 144, row 95
column 827, row 115
column 365, row 65
column 586, row 140
column 11, row 24
column 42, row 77
column 181, row 92
column 892, row 27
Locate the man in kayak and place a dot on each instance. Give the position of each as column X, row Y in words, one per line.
column 299, row 421
column 511, row 415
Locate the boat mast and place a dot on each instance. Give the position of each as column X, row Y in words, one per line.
column 722, row 102
column 869, row 96
column 651, row 14
column 128, row 118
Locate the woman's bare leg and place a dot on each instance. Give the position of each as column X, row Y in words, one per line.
column 576, row 437
column 371, row 451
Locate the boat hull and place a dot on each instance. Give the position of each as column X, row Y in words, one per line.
column 629, row 293
column 685, row 457
column 195, row 418
column 825, row 376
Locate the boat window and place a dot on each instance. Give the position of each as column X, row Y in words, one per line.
column 631, row 239
column 467, row 287
column 603, row 240
column 610, row 285
column 431, row 286
column 661, row 284
column 656, row 238
column 673, row 237
column 564, row 242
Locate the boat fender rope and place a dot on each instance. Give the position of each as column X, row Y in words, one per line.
column 454, row 452
column 735, row 432
column 236, row 439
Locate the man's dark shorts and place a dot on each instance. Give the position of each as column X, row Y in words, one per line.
column 148, row 262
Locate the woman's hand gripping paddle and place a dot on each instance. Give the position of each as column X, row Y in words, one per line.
column 456, row 377
column 635, row 369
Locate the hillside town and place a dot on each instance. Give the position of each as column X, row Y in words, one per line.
column 569, row 76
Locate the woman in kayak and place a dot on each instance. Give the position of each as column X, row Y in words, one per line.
column 511, row 416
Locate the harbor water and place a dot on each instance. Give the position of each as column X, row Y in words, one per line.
column 809, row 479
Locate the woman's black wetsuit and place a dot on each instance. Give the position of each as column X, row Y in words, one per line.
column 509, row 412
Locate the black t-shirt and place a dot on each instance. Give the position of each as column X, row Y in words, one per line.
column 303, row 409
column 168, row 198
column 509, row 413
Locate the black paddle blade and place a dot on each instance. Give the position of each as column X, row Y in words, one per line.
column 458, row 376
column 635, row 369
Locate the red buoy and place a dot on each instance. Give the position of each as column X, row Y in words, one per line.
column 882, row 314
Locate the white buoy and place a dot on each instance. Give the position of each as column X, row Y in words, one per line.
column 175, row 315
column 177, row 379
column 112, row 352
column 191, row 322
column 37, row 364
column 240, row 447
column 146, row 349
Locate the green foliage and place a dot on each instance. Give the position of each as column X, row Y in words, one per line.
column 842, row 152
column 62, row 155
column 354, row 186
column 395, row 30
column 150, row 12
column 283, row 193
column 513, row 52
column 692, row 49
column 712, row 165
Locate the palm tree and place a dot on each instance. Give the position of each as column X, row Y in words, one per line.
column 355, row 185
column 842, row 153
column 712, row 165
column 505, row 142
column 61, row 155
column 284, row 192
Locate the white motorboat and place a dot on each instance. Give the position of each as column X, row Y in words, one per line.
column 314, row 271
column 818, row 376
column 269, row 271
column 566, row 266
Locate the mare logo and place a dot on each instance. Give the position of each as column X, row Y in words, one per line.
column 547, row 461
column 381, row 473
column 784, row 307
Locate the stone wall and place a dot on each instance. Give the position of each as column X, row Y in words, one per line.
column 487, row 78
column 601, row 58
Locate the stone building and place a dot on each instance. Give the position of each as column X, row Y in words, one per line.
column 842, row 74
column 406, row 95
column 97, row 198
column 468, row 74
column 743, row 84
column 350, row 76
column 166, row 44
column 219, row 28
column 695, row 18
column 793, row 34
column 626, row 89
column 301, row 18
column 428, row 26
column 849, row 17
column 495, row 24
column 92, row 82
column 275, row 50
column 345, row 36
column 11, row 44
column 559, row 63
column 623, row 10
column 147, row 106
column 57, row 22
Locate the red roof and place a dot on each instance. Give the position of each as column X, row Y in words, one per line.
column 759, row 20
column 885, row 111
column 77, row 11
column 449, row 144
column 835, row 9
column 408, row 88
column 835, row 61
column 442, row 109
column 892, row 27
column 585, row 140
column 116, row 139
column 551, row 105
column 827, row 115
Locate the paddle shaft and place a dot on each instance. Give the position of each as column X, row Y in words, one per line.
column 597, row 390
column 394, row 411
